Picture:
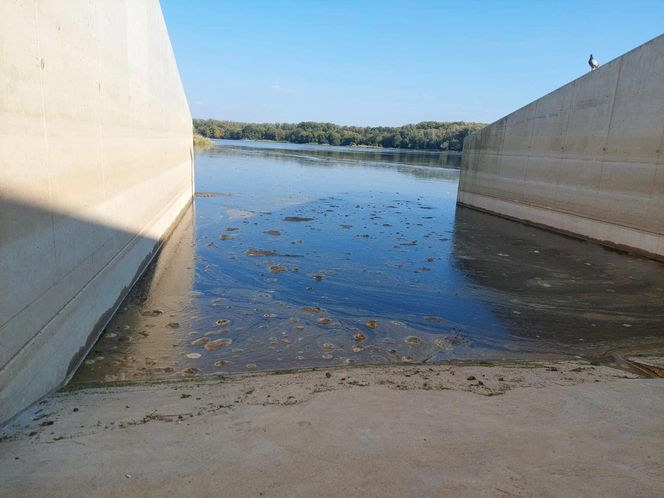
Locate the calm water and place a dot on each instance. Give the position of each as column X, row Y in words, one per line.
column 301, row 256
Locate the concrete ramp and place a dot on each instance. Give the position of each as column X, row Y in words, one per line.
column 586, row 159
column 95, row 168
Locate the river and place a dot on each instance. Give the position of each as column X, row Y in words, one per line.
column 297, row 256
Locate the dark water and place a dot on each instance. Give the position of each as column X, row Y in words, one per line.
column 301, row 256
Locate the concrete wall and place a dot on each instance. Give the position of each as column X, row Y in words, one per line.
column 586, row 159
column 95, row 167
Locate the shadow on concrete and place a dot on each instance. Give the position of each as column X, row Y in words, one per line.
column 62, row 277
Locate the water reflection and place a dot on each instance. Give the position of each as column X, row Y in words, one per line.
column 308, row 256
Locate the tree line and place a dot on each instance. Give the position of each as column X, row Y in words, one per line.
column 430, row 135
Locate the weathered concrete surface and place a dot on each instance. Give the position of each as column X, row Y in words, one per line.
column 95, row 166
column 587, row 159
column 570, row 430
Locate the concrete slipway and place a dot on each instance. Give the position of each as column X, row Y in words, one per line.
column 556, row 429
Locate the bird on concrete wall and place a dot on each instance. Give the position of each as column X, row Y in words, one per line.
column 592, row 62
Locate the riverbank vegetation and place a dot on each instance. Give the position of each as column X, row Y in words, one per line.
column 429, row 135
column 200, row 142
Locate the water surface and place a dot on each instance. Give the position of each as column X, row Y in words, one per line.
column 302, row 256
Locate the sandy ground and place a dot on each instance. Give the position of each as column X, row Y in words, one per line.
column 555, row 429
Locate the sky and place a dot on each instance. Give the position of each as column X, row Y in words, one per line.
column 389, row 63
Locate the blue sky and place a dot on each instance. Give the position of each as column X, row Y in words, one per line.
column 392, row 62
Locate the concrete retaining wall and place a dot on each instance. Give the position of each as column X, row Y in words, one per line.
column 586, row 159
column 95, row 168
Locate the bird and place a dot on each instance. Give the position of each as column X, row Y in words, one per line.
column 592, row 62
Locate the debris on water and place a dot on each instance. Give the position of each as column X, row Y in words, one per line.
column 214, row 345
column 193, row 356
column 407, row 359
column 327, row 356
column 298, row 328
column 232, row 229
column 346, row 227
column 201, row 341
column 173, row 325
column 319, row 278
column 276, row 269
column 372, row 324
column 359, row 336
column 328, row 345
column 440, row 343
column 357, row 348
column 225, row 236
column 250, row 366
column 269, row 315
column 220, row 363
column 311, row 309
column 434, row 319
column 324, row 320
column 297, row 218
column 274, row 233
column 412, row 340
column 222, row 323
column 152, row 313
column 254, row 253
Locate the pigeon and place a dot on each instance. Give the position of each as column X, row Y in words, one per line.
column 592, row 62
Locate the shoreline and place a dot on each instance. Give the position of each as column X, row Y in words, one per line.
column 464, row 430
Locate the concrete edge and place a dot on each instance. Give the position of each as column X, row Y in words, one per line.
column 27, row 393
column 569, row 225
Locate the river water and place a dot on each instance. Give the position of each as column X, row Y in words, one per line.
column 297, row 256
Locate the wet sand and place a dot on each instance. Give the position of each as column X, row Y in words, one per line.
column 527, row 429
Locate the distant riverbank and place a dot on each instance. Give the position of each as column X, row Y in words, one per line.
column 427, row 135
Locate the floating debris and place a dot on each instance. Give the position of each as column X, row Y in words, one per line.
column 193, row 356
column 223, row 322
column 274, row 233
column 225, row 236
column 357, row 348
column 232, row 229
column 250, row 366
column 256, row 253
column 434, row 319
column 297, row 218
column 407, row 359
column 276, row 269
column 371, row 324
column 412, row 340
column 324, row 320
column 201, row 341
column 219, row 343
column 269, row 315
column 152, row 313
column 319, row 278
column 440, row 343
column 311, row 309
column 327, row 356
column 173, row 325
column 328, row 345
column 359, row 336
column 220, row 363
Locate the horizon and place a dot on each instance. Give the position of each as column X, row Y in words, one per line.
column 391, row 63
